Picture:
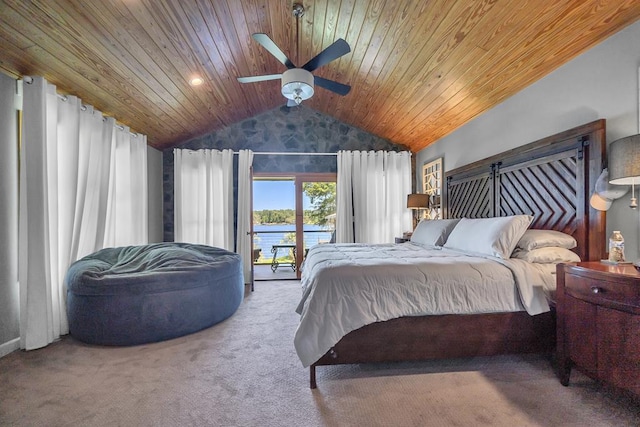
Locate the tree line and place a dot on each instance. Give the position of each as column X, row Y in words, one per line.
column 322, row 196
column 279, row 216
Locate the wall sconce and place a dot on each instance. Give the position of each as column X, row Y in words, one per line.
column 605, row 193
column 417, row 202
column 624, row 164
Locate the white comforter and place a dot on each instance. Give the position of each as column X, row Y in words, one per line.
column 347, row 286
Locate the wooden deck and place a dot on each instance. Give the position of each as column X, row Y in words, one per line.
column 263, row 272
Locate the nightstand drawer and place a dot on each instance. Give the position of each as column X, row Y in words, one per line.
column 602, row 292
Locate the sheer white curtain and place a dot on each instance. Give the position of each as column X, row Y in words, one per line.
column 243, row 236
column 63, row 202
column 94, row 160
column 344, row 199
column 369, row 189
column 398, row 186
column 127, row 195
column 203, row 197
column 377, row 184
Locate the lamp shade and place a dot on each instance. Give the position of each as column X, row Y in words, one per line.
column 624, row 161
column 417, row 201
column 297, row 84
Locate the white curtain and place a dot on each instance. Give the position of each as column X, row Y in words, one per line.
column 127, row 195
column 376, row 183
column 367, row 179
column 94, row 162
column 203, row 197
column 65, row 157
column 398, row 186
column 344, row 199
column 243, row 236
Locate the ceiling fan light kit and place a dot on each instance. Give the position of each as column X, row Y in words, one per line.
column 297, row 85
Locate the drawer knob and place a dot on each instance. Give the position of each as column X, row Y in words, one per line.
column 595, row 289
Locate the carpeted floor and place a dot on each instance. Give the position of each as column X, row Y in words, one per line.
column 244, row 372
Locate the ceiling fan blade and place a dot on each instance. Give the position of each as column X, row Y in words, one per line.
column 336, row 50
column 339, row 88
column 259, row 78
column 273, row 49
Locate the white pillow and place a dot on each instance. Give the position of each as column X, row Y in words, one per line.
column 489, row 236
column 433, row 232
column 533, row 239
column 548, row 255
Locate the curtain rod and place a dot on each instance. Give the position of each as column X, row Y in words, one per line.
column 83, row 107
column 275, row 153
column 267, row 153
column 272, row 153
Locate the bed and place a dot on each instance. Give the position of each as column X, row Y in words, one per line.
column 548, row 180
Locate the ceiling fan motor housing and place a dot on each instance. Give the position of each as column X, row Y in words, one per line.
column 297, row 84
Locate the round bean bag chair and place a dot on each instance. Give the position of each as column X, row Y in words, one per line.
column 140, row 294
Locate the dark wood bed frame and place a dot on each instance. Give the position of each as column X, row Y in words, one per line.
column 550, row 179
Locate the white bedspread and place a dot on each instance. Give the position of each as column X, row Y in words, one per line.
column 347, row 286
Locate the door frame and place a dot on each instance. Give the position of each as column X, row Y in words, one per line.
column 299, row 178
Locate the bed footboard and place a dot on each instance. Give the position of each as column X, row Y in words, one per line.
column 442, row 337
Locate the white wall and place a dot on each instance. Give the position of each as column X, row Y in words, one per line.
column 601, row 83
column 9, row 290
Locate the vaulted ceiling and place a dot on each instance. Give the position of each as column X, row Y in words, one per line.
column 418, row 69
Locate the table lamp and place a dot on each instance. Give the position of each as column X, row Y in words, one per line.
column 624, row 164
column 624, row 167
column 417, row 202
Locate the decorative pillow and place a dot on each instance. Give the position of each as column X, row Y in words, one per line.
column 489, row 236
column 533, row 239
column 433, row 232
column 548, row 255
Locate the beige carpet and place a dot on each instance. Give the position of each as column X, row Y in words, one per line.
column 244, row 372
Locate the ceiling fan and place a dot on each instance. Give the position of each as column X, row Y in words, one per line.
column 298, row 82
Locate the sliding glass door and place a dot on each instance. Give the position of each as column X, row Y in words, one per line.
column 274, row 227
column 291, row 214
column 315, row 212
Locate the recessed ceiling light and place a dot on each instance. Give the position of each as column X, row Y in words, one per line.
column 196, row 81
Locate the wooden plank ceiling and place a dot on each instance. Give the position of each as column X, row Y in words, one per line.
column 418, row 69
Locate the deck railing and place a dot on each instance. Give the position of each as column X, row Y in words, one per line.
column 263, row 241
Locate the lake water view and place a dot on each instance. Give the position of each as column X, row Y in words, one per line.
column 272, row 234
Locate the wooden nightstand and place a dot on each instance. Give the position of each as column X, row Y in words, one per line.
column 598, row 323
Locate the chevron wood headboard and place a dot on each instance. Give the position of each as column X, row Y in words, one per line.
column 551, row 179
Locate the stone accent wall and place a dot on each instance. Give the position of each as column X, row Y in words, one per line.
column 299, row 129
